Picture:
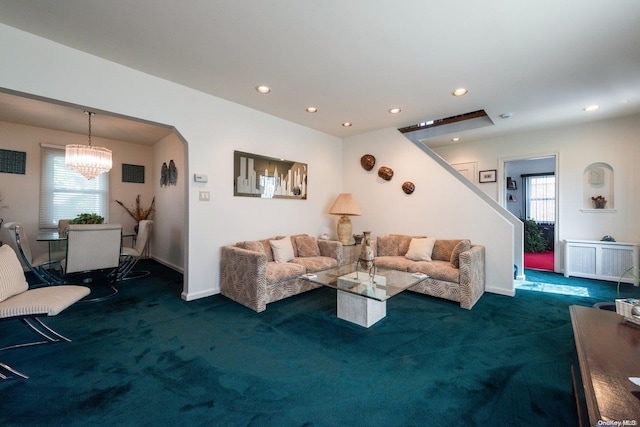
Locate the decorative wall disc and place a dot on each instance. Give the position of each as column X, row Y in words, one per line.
column 385, row 173
column 408, row 187
column 368, row 162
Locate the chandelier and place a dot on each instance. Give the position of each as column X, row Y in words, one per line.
column 90, row 161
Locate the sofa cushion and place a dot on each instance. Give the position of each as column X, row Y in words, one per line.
column 252, row 246
column 438, row 270
column 403, row 242
column 395, row 262
column 443, row 248
column 282, row 250
column 462, row 246
column 387, row 246
column 420, row 249
column 315, row 263
column 283, row 272
column 307, row 246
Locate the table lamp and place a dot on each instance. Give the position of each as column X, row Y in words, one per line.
column 345, row 205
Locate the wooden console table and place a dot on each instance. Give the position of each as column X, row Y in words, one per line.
column 608, row 350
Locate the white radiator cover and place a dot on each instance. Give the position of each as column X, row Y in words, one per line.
column 600, row 260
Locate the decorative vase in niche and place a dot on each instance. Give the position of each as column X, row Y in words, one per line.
column 366, row 258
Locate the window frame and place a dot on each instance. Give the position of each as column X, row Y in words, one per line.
column 63, row 192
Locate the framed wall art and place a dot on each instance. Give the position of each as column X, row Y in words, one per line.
column 133, row 173
column 13, row 161
column 268, row 177
column 487, row 176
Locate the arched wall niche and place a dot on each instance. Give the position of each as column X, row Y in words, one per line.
column 598, row 181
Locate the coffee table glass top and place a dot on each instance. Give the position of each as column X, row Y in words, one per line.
column 385, row 284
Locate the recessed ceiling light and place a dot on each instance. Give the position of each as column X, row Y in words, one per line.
column 456, row 139
column 346, row 124
column 591, row 107
column 312, row 110
column 460, row 91
column 263, row 89
column 394, row 110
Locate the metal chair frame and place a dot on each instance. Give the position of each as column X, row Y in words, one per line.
column 45, row 272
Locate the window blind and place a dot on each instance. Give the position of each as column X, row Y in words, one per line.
column 65, row 193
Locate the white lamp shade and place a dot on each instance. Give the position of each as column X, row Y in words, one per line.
column 345, row 204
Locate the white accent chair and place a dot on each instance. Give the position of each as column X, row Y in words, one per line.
column 93, row 255
column 130, row 256
column 43, row 266
column 17, row 301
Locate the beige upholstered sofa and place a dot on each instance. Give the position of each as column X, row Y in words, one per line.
column 254, row 274
column 456, row 270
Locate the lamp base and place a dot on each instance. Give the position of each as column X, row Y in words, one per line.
column 344, row 230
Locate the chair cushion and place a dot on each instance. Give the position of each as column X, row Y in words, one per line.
column 395, row 262
column 282, row 272
column 437, row 270
column 49, row 300
column 12, row 279
column 307, row 246
column 420, row 249
column 282, row 249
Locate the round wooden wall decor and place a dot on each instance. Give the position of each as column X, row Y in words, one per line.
column 368, row 162
column 385, row 173
column 408, row 187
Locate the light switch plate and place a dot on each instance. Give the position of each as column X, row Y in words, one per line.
column 204, row 196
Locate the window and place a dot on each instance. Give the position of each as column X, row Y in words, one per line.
column 541, row 198
column 65, row 193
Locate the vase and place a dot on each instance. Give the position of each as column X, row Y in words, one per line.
column 366, row 258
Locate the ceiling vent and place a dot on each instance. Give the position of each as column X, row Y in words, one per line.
column 453, row 124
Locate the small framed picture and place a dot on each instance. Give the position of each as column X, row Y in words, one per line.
column 487, row 176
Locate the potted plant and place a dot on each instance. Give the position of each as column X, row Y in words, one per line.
column 599, row 201
column 138, row 212
column 87, row 218
column 534, row 240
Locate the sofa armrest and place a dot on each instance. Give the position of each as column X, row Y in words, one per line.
column 331, row 249
column 472, row 275
column 243, row 277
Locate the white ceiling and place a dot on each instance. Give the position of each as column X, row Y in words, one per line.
column 542, row 61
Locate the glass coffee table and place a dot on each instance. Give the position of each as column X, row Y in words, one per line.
column 362, row 298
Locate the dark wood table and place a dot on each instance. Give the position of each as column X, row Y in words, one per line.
column 608, row 350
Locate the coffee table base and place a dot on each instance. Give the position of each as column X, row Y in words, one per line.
column 360, row 310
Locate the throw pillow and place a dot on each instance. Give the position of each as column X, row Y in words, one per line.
column 420, row 249
column 463, row 245
column 282, row 250
column 387, row 246
column 307, row 246
column 12, row 280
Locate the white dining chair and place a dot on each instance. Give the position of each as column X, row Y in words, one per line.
column 45, row 266
column 131, row 255
column 93, row 255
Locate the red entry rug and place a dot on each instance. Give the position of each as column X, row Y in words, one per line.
column 539, row 261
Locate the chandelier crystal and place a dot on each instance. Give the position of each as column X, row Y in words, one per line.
column 88, row 160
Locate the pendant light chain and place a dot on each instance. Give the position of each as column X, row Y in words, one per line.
column 90, row 114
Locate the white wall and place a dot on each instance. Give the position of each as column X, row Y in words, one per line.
column 441, row 205
column 613, row 141
column 169, row 238
column 212, row 128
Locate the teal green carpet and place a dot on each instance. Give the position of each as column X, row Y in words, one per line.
column 147, row 358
